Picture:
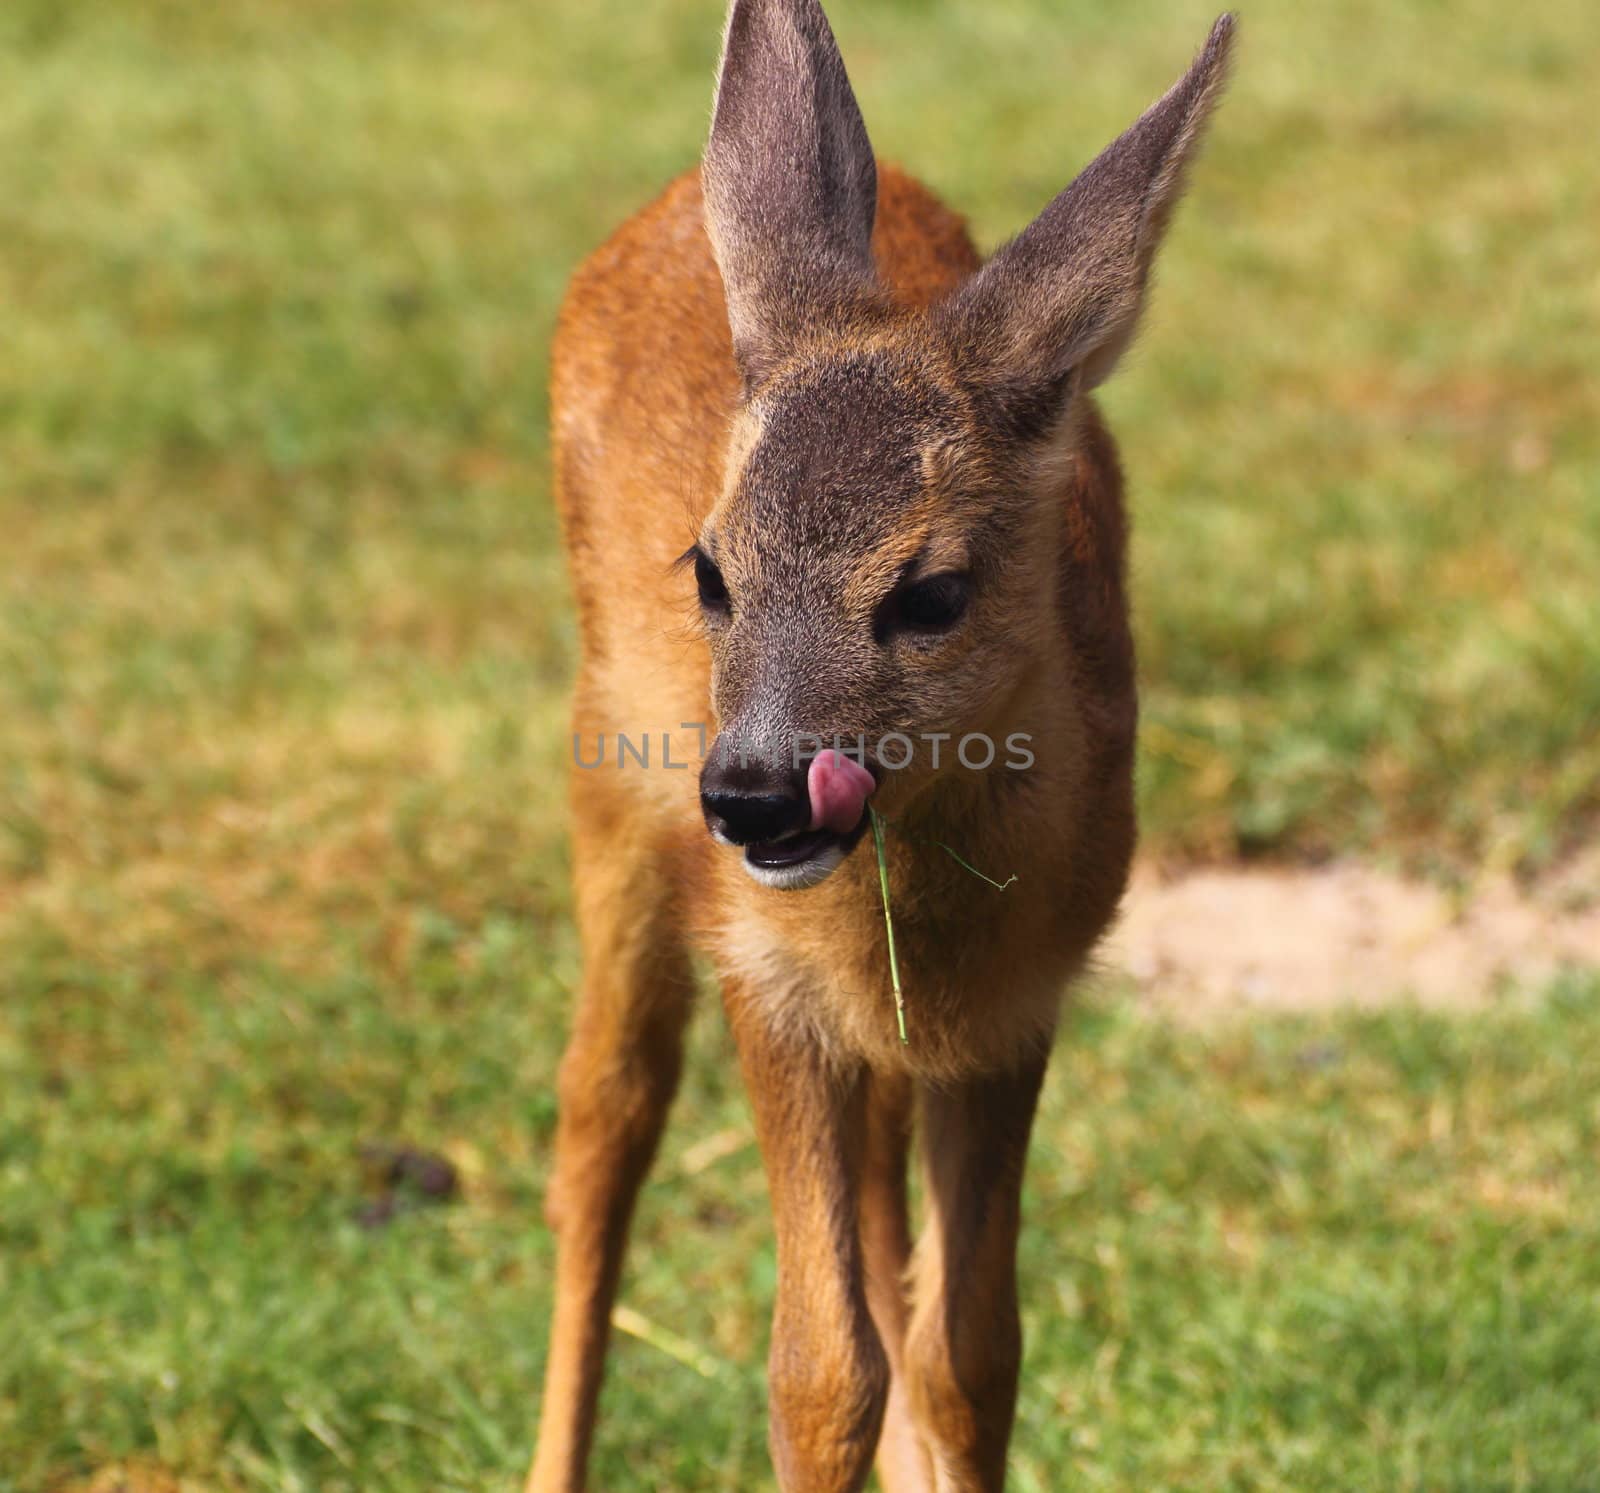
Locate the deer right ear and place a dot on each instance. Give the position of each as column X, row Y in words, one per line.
column 789, row 180
column 1056, row 307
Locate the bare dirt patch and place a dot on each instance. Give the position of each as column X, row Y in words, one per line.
column 1204, row 940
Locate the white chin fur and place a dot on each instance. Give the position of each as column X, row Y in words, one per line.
column 796, row 878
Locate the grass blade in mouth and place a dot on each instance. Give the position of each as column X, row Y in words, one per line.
column 888, row 925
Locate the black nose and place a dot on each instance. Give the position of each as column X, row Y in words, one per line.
column 750, row 801
column 750, row 818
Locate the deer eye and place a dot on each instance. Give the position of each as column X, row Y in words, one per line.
column 713, row 589
column 932, row 605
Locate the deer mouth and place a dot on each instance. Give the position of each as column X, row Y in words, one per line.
column 780, row 852
column 801, row 859
column 837, row 789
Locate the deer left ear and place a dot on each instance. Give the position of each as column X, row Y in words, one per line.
column 1056, row 307
column 790, row 183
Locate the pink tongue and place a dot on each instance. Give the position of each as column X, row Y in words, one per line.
column 839, row 787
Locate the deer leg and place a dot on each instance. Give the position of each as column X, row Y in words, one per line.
column 616, row 1082
column 964, row 1347
column 902, row 1460
column 827, row 1375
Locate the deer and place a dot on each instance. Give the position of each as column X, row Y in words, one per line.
column 826, row 478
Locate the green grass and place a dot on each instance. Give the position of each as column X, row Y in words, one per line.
column 283, row 650
column 1357, row 1253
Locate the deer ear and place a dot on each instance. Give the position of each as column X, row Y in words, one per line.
column 790, row 184
column 1055, row 308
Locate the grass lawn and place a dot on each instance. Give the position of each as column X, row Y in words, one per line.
column 1357, row 1253
column 283, row 649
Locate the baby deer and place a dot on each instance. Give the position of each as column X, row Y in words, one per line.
column 906, row 536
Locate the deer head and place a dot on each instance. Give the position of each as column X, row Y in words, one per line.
column 884, row 554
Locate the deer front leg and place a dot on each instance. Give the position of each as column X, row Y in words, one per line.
column 828, row 1376
column 617, row 1081
column 965, row 1343
column 902, row 1460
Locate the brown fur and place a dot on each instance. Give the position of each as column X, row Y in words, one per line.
column 864, row 412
